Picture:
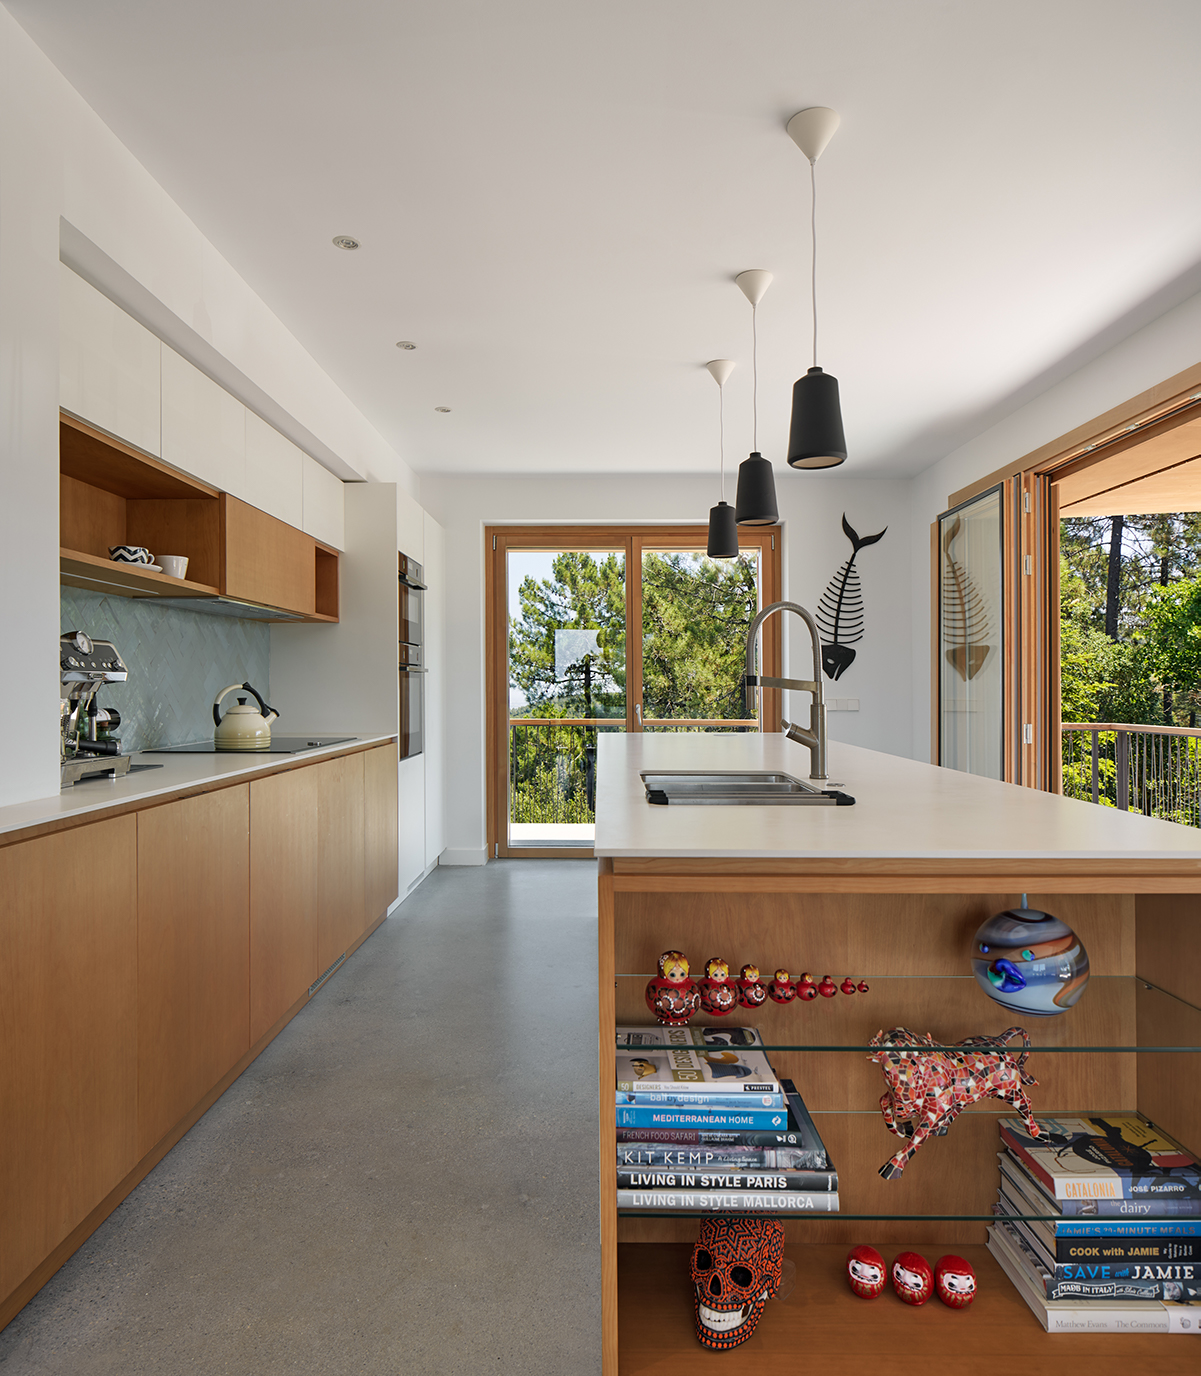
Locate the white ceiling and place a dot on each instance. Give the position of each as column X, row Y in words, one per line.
column 553, row 199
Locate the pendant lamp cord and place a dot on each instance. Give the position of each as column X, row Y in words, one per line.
column 813, row 238
column 721, row 431
column 755, row 376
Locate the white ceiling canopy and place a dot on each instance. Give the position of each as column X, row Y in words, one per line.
column 553, row 199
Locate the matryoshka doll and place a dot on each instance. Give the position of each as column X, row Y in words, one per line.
column 866, row 1272
column 671, row 996
column 955, row 1281
column 912, row 1278
column 806, row 989
column 751, row 993
column 719, row 994
column 782, row 989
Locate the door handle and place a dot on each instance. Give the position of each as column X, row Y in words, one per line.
column 638, row 713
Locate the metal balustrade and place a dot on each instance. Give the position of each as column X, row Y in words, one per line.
column 1154, row 770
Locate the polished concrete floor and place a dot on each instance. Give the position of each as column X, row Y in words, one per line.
column 404, row 1181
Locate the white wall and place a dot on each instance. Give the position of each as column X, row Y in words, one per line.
column 814, row 547
column 65, row 180
column 1158, row 351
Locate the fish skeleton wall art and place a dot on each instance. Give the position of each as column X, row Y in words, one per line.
column 965, row 621
column 840, row 611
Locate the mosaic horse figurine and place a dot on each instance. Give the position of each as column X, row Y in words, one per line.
column 930, row 1085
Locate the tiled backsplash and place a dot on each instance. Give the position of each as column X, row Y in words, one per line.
column 178, row 662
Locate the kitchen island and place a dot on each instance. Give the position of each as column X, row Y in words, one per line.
column 889, row 891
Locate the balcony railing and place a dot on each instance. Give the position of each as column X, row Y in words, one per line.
column 1155, row 770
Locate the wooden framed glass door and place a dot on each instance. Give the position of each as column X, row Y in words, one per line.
column 609, row 628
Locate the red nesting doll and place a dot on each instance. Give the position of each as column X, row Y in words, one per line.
column 782, row 989
column 912, row 1278
column 865, row 1272
column 806, row 989
column 751, row 993
column 955, row 1281
column 719, row 993
column 671, row 996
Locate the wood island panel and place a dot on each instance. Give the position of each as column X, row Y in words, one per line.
column 283, row 894
column 68, row 1020
column 193, row 952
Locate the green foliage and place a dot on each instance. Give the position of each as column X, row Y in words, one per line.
column 695, row 616
column 1173, row 618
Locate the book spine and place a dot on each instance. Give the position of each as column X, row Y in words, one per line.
column 1085, row 1186
column 1107, row 1229
column 1108, row 1251
column 1152, row 1210
column 1133, row 1288
column 693, row 1137
column 638, row 1155
column 760, row 1120
column 732, row 1201
column 738, row 1102
column 723, row 1182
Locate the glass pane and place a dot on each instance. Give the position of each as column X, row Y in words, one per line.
column 567, row 680
column 696, row 612
column 971, row 662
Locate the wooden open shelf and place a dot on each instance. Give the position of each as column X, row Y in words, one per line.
column 112, row 494
column 823, row 1327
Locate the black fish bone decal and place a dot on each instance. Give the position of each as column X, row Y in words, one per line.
column 840, row 611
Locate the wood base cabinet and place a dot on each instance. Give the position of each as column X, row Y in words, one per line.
column 68, row 1017
column 193, row 952
column 146, row 959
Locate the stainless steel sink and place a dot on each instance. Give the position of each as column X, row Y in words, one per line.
column 736, row 788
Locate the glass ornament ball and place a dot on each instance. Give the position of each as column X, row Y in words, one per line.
column 1030, row 962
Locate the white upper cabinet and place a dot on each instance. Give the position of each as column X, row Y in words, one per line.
column 204, row 428
column 274, row 472
column 324, row 505
column 108, row 365
column 410, row 526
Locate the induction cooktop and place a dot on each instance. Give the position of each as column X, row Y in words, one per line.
column 280, row 745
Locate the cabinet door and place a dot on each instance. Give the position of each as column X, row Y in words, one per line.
column 340, row 847
column 324, row 505
column 379, row 826
column 109, row 365
column 274, row 472
column 411, row 821
column 204, row 428
column 267, row 560
column 68, row 1023
column 193, row 952
column 283, row 894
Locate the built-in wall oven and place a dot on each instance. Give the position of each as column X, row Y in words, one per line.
column 411, row 658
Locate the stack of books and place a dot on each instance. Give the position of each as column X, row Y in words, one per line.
column 1099, row 1224
column 704, row 1125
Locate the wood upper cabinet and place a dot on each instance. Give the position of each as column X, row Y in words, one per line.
column 283, row 894
column 193, row 957
column 266, row 560
column 341, row 916
column 380, row 829
column 68, row 1023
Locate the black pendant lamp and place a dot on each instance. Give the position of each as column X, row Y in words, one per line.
column 755, row 503
column 723, row 524
column 815, row 437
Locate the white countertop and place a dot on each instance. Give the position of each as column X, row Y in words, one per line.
column 903, row 810
column 178, row 772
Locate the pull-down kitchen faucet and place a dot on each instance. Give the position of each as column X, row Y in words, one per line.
column 813, row 737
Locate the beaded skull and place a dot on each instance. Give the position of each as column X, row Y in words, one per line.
column 736, row 1267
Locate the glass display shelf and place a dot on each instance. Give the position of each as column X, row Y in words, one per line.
column 1115, row 1014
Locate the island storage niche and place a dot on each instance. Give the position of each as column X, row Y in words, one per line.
column 904, row 923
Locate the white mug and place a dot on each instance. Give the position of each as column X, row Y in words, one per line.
column 173, row 565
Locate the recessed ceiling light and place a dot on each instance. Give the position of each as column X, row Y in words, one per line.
column 405, row 344
column 345, row 241
column 444, row 409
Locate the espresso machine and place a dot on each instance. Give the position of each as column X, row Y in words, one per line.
column 88, row 746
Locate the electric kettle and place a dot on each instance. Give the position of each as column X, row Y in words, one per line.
column 243, row 727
